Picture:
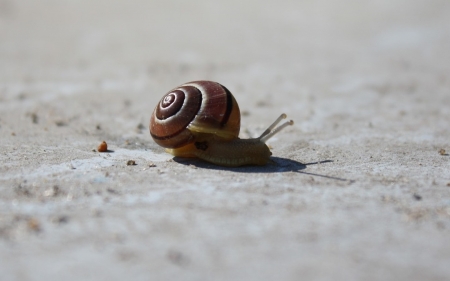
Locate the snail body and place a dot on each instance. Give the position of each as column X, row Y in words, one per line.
column 202, row 119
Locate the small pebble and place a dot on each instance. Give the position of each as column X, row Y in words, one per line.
column 103, row 147
column 33, row 224
column 60, row 123
column 34, row 118
column 60, row 219
column 177, row 257
column 52, row 192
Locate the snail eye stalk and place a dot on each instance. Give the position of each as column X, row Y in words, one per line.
column 272, row 129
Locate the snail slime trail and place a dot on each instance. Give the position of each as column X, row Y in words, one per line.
column 202, row 119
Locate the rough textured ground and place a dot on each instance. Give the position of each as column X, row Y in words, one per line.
column 366, row 83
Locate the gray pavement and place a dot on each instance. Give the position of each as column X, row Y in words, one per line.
column 358, row 189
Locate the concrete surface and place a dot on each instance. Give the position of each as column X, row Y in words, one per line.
column 358, row 191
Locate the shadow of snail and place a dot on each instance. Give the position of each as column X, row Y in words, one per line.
column 276, row 165
column 201, row 120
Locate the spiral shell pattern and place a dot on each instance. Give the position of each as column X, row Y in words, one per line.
column 196, row 107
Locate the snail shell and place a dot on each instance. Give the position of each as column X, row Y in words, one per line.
column 194, row 108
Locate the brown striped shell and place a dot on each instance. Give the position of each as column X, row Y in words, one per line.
column 199, row 107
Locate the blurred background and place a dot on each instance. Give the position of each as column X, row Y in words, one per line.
column 271, row 49
column 271, row 39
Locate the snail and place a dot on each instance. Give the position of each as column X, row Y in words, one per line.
column 202, row 119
